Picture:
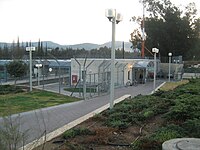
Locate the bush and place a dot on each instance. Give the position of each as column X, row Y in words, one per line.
column 185, row 108
column 7, row 89
column 154, row 141
column 168, row 132
column 10, row 135
column 148, row 114
column 146, row 143
column 77, row 131
column 192, row 127
column 117, row 124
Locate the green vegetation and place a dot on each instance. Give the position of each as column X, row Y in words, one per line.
column 175, row 23
column 77, row 131
column 9, row 89
column 20, row 101
column 88, row 90
column 192, row 70
column 144, row 122
column 178, row 108
column 171, row 85
column 16, row 69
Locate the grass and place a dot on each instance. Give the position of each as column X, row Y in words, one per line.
column 26, row 101
column 88, row 90
column 172, row 85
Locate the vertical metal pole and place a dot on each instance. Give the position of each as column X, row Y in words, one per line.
column 123, row 49
column 38, row 77
column 169, row 67
column 154, row 83
column 59, row 78
column 84, row 83
column 90, row 85
column 143, row 30
column 30, row 68
column 43, row 75
column 112, row 62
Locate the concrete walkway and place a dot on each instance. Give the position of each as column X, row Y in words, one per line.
column 36, row 123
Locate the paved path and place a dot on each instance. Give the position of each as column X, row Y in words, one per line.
column 55, row 117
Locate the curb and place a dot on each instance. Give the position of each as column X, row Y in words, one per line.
column 70, row 125
column 158, row 87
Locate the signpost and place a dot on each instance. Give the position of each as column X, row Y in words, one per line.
column 30, row 49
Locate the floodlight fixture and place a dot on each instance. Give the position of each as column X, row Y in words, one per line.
column 169, row 54
column 155, row 50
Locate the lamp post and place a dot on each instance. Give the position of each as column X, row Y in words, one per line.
column 155, row 51
column 115, row 18
column 50, row 69
column 38, row 66
column 176, row 60
column 59, row 88
column 170, row 55
column 30, row 49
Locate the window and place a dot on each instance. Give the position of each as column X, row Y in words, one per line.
column 129, row 73
column 83, row 74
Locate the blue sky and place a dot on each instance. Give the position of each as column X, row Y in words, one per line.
column 68, row 21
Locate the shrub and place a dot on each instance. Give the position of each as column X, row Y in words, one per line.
column 146, row 143
column 7, row 89
column 10, row 135
column 77, row 131
column 192, row 127
column 117, row 124
column 168, row 132
column 154, row 141
column 148, row 114
column 185, row 108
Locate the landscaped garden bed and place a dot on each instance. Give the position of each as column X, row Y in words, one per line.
column 141, row 123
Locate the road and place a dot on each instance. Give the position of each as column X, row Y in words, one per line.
column 36, row 123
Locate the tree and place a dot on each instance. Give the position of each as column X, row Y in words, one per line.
column 40, row 52
column 16, row 69
column 169, row 28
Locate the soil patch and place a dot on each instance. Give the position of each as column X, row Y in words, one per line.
column 103, row 137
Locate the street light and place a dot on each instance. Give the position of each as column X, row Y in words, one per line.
column 155, row 51
column 176, row 60
column 115, row 18
column 38, row 66
column 50, row 69
column 170, row 55
column 59, row 88
column 30, row 49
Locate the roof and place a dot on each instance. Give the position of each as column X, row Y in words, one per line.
column 4, row 62
column 143, row 63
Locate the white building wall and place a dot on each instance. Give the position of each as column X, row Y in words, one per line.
column 123, row 66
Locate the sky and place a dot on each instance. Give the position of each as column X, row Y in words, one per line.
column 68, row 22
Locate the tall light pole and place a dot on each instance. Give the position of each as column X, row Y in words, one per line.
column 155, row 51
column 176, row 60
column 115, row 18
column 170, row 55
column 143, row 31
column 38, row 66
column 59, row 87
column 30, row 49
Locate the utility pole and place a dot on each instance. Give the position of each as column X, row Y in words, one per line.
column 123, row 49
column 30, row 50
column 143, row 32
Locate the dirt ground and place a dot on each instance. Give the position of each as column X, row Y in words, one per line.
column 104, row 137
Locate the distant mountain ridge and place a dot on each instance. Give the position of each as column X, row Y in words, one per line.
column 86, row 46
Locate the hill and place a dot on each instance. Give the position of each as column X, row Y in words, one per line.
column 86, row 46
